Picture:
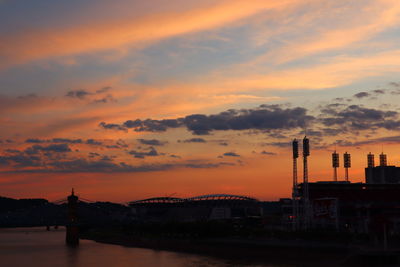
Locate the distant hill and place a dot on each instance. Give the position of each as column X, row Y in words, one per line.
column 41, row 212
column 10, row 204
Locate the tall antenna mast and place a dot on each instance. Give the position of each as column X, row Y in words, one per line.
column 306, row 196
column 295, row 194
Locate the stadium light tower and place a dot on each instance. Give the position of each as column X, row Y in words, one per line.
column 306, row 196
column 370, row 160
column 347, row 165
column 335, row 164
column 382, row 160
column 295, row 194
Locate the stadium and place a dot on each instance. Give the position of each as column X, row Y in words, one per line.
column 199, row 208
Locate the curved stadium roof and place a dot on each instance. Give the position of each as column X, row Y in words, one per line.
column 211, row 197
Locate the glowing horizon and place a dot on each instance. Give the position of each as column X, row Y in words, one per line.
column 132, row 100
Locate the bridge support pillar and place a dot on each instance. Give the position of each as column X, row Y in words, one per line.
column 72, row 233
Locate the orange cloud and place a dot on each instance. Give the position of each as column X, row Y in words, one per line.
column 39, row 44
column 370, row 21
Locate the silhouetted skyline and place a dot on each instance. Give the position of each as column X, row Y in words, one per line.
column 139, row 99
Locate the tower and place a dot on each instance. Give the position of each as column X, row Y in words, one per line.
column 382, row 160
column 72, row 234
column 369, row 171
column 347, row 165
column 370, row 160
column 295, row 194
column 335, row 164
column 382, row 163
column 306, row 200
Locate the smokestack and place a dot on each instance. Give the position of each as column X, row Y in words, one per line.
column 335, row 164
column 382, row 160
column 347, row 164
column 370, row 160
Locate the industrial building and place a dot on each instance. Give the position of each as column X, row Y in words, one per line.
column 200, row 208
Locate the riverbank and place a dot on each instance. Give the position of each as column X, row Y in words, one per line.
column 257, row 250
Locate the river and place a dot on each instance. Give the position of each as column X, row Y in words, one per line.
column 36, row 247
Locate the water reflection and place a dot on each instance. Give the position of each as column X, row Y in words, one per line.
column 36, row 247
column 72, row 256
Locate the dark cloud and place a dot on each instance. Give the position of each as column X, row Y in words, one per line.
column 208, row 165
column 379, row 91
column 361, row 95
column 193, row 140
column 381, row 140
column 112, row 126
column 339, row 99
column 265, row 117
column 97, row 96
column 20, row 160
column 153, row 125
column 93, row 142
column 54, row 140
column 356, row 117
column 142, row 154
column 389, row 125
column 93, row 155
column 106, row 158
column 58, row 148
column 81, row 94
column 395, row 92
column 119, row 144
column 10, row 150
column 231, row 154
column 152, row 142
column 66, row 140
column 106, row 99
column 108, row 166
column 35, row 140
column 267, row 153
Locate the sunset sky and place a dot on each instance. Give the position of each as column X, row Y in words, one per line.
column 130, row 99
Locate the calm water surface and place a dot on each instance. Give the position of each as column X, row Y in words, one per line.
column 34, row 247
